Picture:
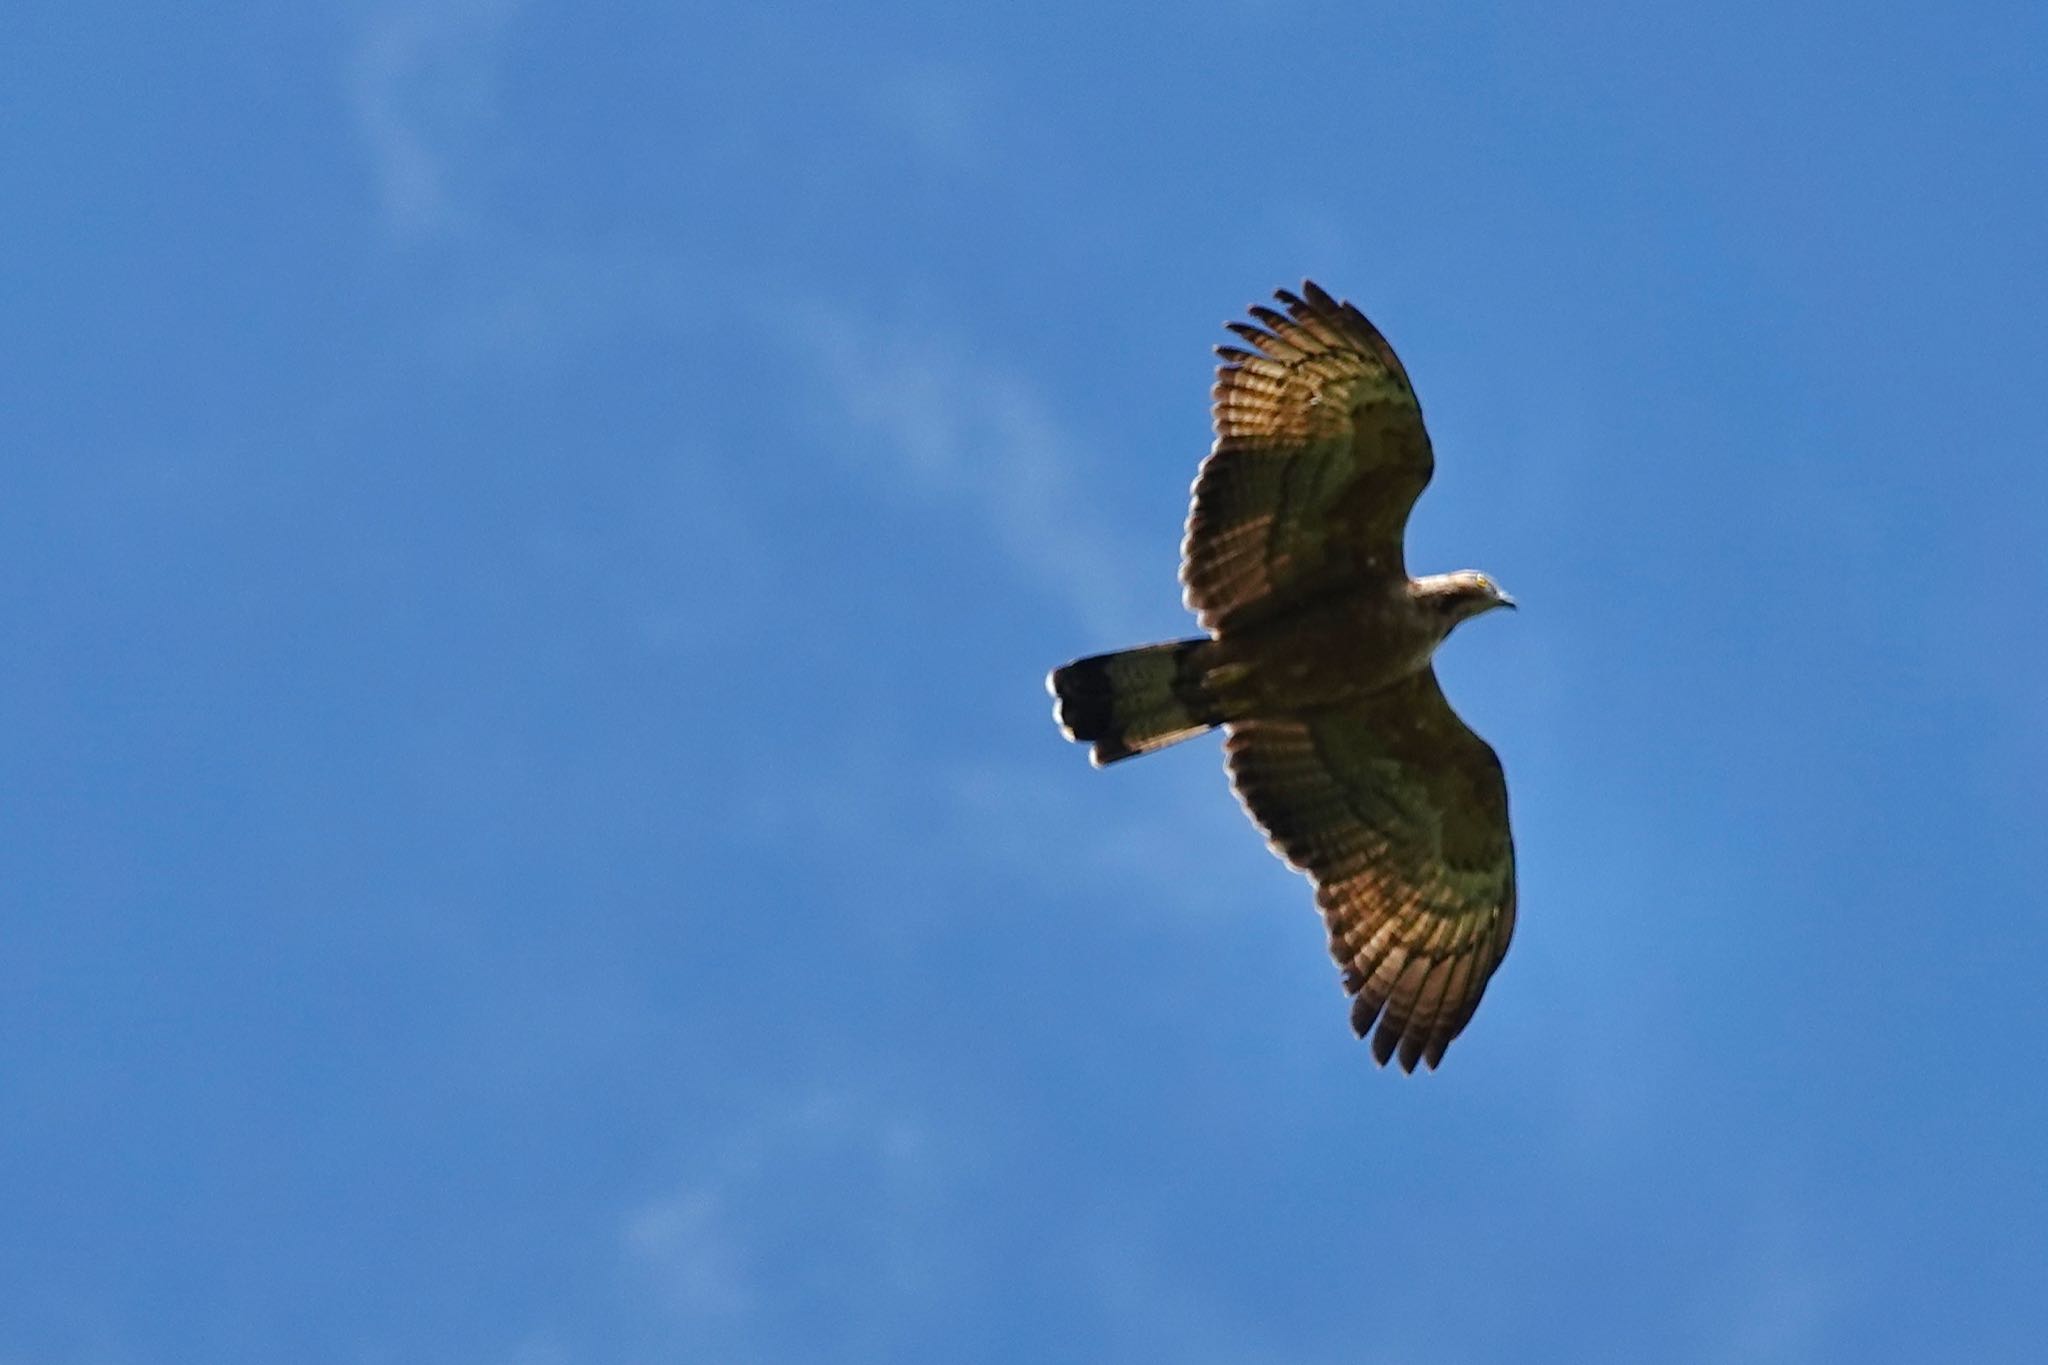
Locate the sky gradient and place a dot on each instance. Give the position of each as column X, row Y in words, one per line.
column 532, row 832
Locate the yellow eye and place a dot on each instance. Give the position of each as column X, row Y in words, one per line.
column 1483, row 581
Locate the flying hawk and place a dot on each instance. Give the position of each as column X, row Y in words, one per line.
column 1317, row 664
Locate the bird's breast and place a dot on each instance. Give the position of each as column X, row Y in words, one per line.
column 1328, row 652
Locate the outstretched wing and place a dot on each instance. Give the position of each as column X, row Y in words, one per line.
column 1399, row 814
column 1319, row 454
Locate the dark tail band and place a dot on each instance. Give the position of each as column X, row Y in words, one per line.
column 1135, row 700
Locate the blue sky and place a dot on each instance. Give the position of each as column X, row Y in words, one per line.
column 532, row 833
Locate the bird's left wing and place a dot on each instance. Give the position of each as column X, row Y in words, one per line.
column 1320, row 452
column 1399, row 814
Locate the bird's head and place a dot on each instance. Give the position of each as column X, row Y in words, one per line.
column 1460, row 596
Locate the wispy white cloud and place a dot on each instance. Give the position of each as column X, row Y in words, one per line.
column 934, row 415
column 947, row 424
column 423, row 88
column 824, row 1208
column 940, row 111
column 1183, row 858
column 688, row 1241
column 526, row 308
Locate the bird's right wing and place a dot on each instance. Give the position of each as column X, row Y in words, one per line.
column 1399, row 814
column 1320, row 453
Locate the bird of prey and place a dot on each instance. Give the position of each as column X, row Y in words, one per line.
column 1317, row 664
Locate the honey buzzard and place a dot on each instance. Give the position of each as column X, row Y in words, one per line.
column 1317, row 664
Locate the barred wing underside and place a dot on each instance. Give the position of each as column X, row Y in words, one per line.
column 1398, row 813
column 1320, row 453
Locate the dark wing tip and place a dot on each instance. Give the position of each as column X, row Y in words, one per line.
column 1364, row 1011
column 1411, row 1049
column 1398, row 1039
column 1249, row 333
column 1384, row 1040
column 1274, row 322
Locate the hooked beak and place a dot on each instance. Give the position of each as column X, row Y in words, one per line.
column 1506, row 601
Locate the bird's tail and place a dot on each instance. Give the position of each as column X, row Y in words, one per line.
column 1136, row 700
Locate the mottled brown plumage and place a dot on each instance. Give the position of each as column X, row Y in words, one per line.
column 1317, row 662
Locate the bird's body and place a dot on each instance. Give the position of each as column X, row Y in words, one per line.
column 1318, row 661
column 1339, row 648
